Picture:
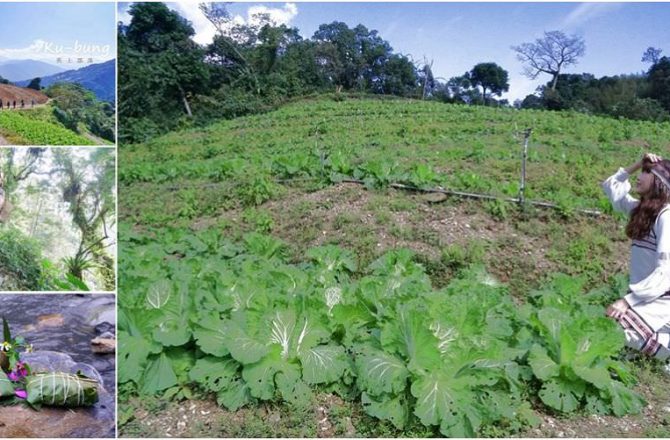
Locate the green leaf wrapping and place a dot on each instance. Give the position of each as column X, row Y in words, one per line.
column 61, row 389
column 6, row 386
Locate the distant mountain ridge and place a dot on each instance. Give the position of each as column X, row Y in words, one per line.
column 17, row 70
column 99, row 78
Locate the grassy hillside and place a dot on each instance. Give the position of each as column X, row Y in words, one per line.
column 38, row 126
column 193, row 200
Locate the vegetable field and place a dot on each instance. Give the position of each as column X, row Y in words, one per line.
column 22, row 129
column 252, row 274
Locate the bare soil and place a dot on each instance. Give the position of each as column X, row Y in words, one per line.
column 13, row 93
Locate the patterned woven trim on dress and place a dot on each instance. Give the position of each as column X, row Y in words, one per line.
column 631, row 320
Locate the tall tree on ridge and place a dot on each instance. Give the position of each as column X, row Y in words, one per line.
column 550, row 54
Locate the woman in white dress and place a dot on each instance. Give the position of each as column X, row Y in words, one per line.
column 644, row 312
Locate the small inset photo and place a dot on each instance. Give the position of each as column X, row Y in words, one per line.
column 57, row 73
column 57, row 366
column 57, row 219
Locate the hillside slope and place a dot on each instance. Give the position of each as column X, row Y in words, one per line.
column 13, row 93
column 37, row 126
column 269, row 188
column 99, row 78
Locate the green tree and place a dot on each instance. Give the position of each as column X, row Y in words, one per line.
column 87, row 186
column 35, row 84
column 651, row 55
column 491, row 77
column 550, row 54
column 156, row 54
column 15, row 167
column 659, row 82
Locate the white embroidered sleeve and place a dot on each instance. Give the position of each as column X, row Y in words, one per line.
column 658, row 282
column 617, row 189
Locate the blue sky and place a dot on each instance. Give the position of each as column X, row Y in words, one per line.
column 456, row 36
column 45, row 31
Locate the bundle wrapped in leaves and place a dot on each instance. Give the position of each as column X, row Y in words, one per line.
column 61, row 389
column 6, row 387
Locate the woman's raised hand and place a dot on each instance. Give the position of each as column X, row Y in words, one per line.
column 652, row 157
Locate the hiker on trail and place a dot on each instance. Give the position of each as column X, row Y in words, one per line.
column 644, row 312
column 23, row 104
column 32, row 103
column 14, row 104
column 0, row 103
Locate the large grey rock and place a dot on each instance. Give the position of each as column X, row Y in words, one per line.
column 21, row 421
column 47, row 361
column 96, row 310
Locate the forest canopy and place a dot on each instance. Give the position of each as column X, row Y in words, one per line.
column 57, row 219
column 168, row 81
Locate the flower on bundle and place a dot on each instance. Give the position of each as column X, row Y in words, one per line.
column 30, row 348
column 21, row 369
column 19, row 372
column 22, row 394
column 6, row 346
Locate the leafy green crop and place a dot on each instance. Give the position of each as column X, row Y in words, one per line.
column 36, row 132
column 239, row 321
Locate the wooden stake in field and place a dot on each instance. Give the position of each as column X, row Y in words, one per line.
column 524, row 157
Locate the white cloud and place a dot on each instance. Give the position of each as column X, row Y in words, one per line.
column 34, row 51
column 585, row 12
column 205, row 31
column 520, row 87
column 123, row 15
column 278, row 16
column 68, row 52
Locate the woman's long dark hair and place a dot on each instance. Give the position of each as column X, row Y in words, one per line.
column 644, row 215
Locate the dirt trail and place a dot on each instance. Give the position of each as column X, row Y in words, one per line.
column 94, row 138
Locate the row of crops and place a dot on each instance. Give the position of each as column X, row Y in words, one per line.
column 381, row 142
column 38, row 132
column 199, row 314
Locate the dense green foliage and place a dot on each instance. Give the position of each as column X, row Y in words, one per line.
column 642, row 97
column 239, row 321
column 21, row 261
column 556, row 353
column 68, row 215
column 245, row 69
column 74, row 106
column 23, row 129
column 167, row 81
column 426, row 144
